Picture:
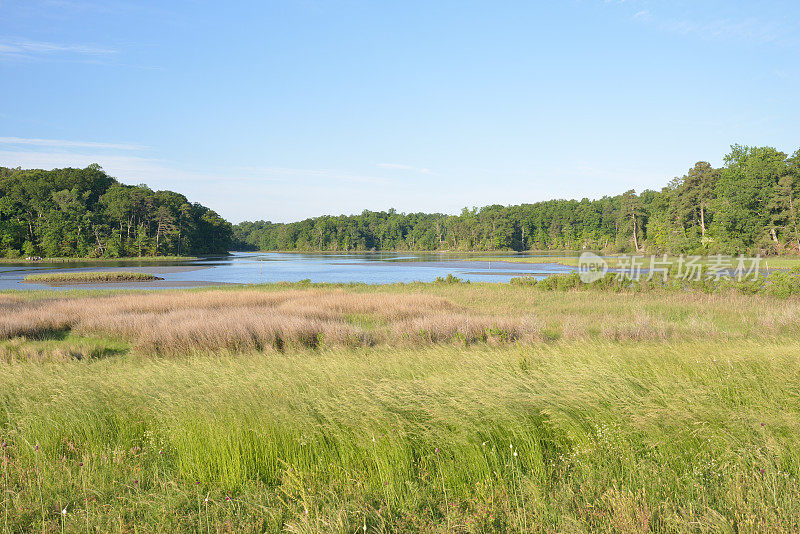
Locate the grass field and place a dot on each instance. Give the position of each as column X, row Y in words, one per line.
column 419, row 407
column 89, row 277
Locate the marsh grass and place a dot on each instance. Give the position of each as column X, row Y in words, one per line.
column 278, row 318
column 608, row 435
column 60, row 346
column 90, row 277
column 467, row 408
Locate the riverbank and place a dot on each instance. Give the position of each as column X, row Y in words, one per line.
column 135, row 259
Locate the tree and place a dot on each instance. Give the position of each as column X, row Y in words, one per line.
column 743, row 195
column 85, row 212
column 631, row 211
column 165, row 222
column 784, row 206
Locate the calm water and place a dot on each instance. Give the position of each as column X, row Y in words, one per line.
column 254, row 268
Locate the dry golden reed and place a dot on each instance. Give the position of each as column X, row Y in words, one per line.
column 251, row 319
column 257, row 320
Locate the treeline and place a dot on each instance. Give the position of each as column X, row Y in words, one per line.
column 86, row 213
column 750, row 205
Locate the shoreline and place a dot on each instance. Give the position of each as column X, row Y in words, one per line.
column 565, row 259
column 142, row 259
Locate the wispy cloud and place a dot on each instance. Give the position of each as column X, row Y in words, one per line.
column 287, row 194
column 240, row 193
column 61, row 143
column 284, row 173
column 27, row 49
column 748, row 29
column 733, row 22
column 130, row 162
column 127, row 167
column 401, row 167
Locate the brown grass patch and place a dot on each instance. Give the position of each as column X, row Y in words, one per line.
column 254, row 320
column 248, row 319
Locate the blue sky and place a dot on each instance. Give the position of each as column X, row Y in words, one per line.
column 287, row 109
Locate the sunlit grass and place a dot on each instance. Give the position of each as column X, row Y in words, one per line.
column 635, row 436
column 626, row 412
column 60, row 347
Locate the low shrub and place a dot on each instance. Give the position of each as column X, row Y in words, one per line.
column 780, row 284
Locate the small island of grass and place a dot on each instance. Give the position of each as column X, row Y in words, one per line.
column 90, row 277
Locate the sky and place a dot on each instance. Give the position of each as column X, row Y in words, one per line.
column 286, row 109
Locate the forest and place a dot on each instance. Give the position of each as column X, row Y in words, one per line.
column 749, row 205
column 87, row 213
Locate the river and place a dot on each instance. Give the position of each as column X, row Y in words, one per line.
column 256, row 268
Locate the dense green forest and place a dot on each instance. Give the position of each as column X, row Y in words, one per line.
column 86, row 213
column 748, row 205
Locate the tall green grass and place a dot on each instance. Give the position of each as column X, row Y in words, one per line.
column 598, row 435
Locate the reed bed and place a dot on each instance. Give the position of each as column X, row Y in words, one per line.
column 241, row 320
column 257, row 319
